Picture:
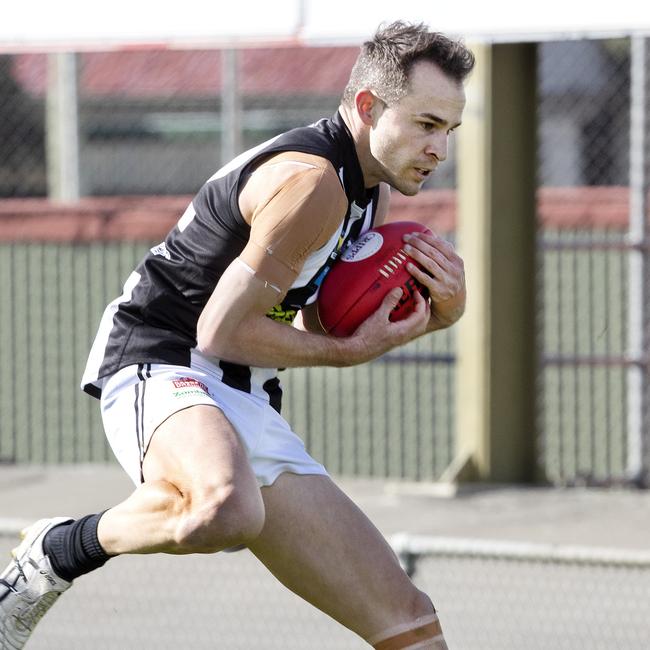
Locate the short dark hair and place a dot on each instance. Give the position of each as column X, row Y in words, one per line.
column 385, row 61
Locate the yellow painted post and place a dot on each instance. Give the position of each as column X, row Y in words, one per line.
column 496, row 236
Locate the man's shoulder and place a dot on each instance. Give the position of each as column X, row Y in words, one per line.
column 292, row 173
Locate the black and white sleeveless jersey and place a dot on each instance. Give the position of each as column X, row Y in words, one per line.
column 155, row 318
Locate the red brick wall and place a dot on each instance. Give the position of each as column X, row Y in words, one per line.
column 148, row 218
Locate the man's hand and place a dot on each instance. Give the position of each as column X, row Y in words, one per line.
column 233, row 326
column 377, row 334
column 443, row 276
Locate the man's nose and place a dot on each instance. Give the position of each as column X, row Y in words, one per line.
column 437, row 146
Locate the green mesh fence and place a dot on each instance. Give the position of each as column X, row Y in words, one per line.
column 392, row 417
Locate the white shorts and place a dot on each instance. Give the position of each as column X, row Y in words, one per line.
column 138, row 398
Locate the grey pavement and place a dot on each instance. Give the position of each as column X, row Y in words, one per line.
column 616, row 518
column 230, row 602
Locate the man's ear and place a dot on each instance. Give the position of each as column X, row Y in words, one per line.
column 368, row 106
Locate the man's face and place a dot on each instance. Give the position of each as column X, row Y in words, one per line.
column 410, row 137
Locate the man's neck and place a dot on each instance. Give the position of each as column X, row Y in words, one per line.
column 359, row 133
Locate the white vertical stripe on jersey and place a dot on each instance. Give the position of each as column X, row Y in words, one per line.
column 315, row 260
column 187, row 218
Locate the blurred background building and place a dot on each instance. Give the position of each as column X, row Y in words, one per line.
column 151, row 122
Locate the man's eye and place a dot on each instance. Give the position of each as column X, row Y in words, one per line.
column 427, row 126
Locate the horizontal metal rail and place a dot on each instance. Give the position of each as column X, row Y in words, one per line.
column 623, row 246
column 595, row 360
column 416, row 357
column 405, row 544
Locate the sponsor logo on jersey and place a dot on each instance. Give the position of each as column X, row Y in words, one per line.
column 161, row 250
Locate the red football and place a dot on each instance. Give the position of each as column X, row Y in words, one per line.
column 362, row 276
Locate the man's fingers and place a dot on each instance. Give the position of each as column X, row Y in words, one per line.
column 422, row 239
column 391, row 299
column 431, row 259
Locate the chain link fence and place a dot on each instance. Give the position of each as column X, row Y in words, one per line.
column 507, row 596
column 593, row 407
column 158, row 122
column 22, row 134
column 489, row 595
column 376, row 420
column 393, row 417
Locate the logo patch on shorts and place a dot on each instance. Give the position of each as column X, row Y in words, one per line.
column 189, row 386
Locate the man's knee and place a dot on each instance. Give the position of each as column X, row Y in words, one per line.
column 420, row 630
column 219, row 517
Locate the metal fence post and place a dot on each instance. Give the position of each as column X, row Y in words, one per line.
column 637, row 335
column 231, row 109
column 62, row 127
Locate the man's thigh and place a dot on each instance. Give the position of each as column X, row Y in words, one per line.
column 166, row 409
column 199, row 492
column 196, row 449
column 323, row 547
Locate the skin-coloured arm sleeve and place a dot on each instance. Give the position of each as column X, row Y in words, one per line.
column 297, row 216
column 294, row 206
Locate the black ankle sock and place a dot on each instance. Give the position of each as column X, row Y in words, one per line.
column 74, row 549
